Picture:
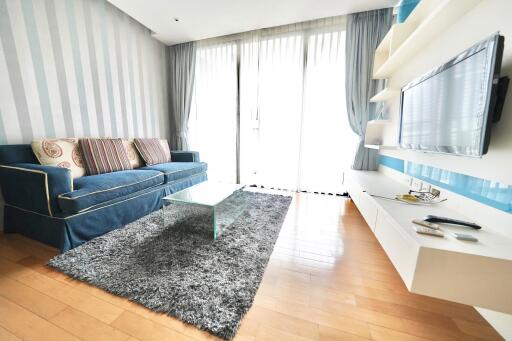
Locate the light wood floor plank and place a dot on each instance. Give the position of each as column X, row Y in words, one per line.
column 478, row 330
column 87, row 327
column 13, row 270
column 145, row 329
column 30, row 299
column 328, row 279
column 29, row 246
column 265, row 333
column 39, row 265
column 64, row 293
column 27, row 325
column 384, row 334
column 6, row 335
column 283, row 322
column 11, row 253
column 332, row 334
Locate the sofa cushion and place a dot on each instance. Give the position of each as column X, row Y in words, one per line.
column 133, row 154
column 104, row 155
column 178, row 170
column 153, row 151
column 63, row 153
column 90, row 191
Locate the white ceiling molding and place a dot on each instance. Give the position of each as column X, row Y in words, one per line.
column 201, row 19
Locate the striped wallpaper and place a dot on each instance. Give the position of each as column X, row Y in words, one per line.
column 73, row 68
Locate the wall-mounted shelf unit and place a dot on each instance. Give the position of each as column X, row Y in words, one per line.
column 373, row 135
column 429, row 19
column 384, row 95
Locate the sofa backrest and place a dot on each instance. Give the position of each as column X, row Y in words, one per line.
column 16, row 153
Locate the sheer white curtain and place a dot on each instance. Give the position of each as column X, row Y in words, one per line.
column 212, row 123
column 272, row 76
column 327, row 142
column 293, row 128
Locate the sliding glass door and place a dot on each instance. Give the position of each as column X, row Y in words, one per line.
column 283, row 94
column 327, row 142
column 269, row 142
column 212, row 123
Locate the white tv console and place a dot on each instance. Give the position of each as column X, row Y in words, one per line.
column 478, row 274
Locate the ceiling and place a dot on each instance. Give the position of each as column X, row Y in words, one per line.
column 200, row 19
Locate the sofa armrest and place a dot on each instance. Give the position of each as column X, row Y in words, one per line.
column 34, row 187
column 184, row 156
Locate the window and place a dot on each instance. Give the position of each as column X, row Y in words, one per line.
column 283, row 93
column 212, row 123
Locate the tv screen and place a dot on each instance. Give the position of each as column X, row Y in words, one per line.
column 450, row 109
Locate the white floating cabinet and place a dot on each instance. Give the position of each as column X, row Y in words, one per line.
column 478, row 274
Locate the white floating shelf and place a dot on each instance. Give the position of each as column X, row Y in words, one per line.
column 384, row 95
column 429, row 19
column 380, row 147
column 373, row 135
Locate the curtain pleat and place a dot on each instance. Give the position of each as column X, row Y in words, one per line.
column 365, row 31
column 182, row 65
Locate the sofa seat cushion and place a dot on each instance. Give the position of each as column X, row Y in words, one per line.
column 178, row 170
column 91, row 191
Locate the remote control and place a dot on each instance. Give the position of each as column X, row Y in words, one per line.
column 463, row 236
column 429, row 231
column 426, row 224
column 437, row 219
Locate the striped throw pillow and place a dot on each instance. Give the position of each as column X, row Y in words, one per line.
column 104, row 155
column 153, row 151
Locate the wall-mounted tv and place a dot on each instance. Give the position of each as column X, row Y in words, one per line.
column 451, row 108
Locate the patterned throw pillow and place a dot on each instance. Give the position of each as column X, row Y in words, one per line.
column 63, row 153
column 104, row 155
column 153, row 151
column 133, row 155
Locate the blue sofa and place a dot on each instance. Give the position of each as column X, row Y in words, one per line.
column 46, row 204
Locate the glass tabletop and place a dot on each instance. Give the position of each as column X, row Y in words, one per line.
column 206, row 193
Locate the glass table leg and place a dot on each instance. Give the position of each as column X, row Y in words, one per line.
column 214, row 222
column 227, row 212
column 163, row 215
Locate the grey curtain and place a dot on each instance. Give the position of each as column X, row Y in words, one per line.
column 365, row 30
column 181, row 73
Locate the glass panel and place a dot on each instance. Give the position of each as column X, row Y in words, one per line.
column 270, row 110
column 187, row 209
column 206, row 193
column 212, row 123
column 228, row 211
column 328, row 143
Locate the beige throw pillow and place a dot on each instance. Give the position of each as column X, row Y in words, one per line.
column 64, row 153
column 133, row 154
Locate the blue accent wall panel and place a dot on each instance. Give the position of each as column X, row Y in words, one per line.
column 487, row 192
column 391, row 162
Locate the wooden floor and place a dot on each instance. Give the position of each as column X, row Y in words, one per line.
column 328, row 279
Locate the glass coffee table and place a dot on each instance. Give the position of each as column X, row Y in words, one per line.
column 217, row 205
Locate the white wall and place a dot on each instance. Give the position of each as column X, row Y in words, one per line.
column 486, row 18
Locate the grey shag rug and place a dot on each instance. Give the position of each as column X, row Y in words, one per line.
column 180, row 270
